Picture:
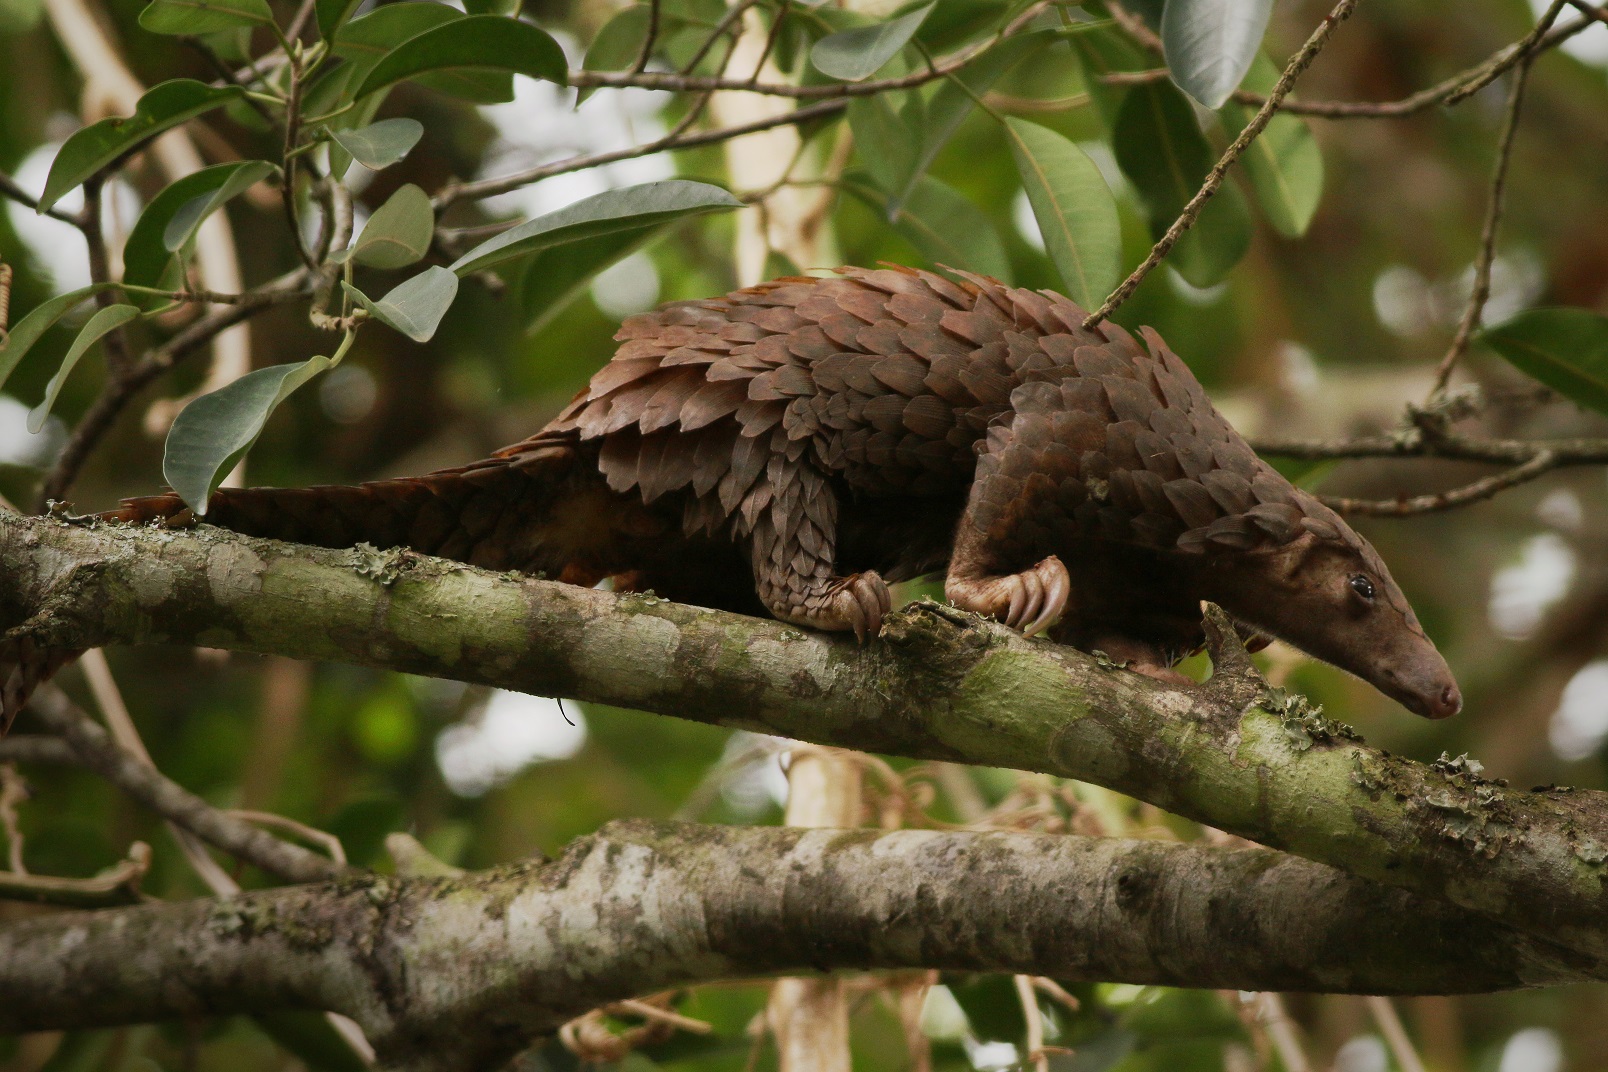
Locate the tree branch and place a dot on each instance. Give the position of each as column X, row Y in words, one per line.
column 461, row 972
column 939, row 684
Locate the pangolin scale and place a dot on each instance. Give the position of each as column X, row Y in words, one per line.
column 792, row 447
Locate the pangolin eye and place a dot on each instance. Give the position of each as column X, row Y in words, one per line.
column 1362, row 586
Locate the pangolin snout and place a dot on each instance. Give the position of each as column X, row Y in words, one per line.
column 1433, row 695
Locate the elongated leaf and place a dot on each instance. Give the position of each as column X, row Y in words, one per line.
column 1210, row 44
column 471, row 44
column 40, row 319
column 857, row 54
column 332, row 15
column 1074, row 209
column 944, row 225
column 212, row 433
column 192, row 17
column 556, row 277
column 161, row 108
column 398, row 233
column 1284, row 164
column 889, row 141
column 108, row 319
column 615, row 210
column 379, row 145
column 414, row 307
column 364, row 42
column 1159, row 146
column 1566, row 349
column 147, row 261
column 617, row 45
column 188, row 219
column 951, row 104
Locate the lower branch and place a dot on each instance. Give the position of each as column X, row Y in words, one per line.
column 461, row 972
column 938, row 684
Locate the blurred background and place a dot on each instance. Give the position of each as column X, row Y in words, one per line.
column 1332, row 333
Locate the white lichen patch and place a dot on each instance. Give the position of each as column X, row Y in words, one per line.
column 234, row 572
column 153, row 583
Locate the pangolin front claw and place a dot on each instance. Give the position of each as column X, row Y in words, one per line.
column 858, row 602
column 1028, row 601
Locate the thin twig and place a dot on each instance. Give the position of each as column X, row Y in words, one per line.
column 1493, row 211
column 171, row 801
column 5, row 304
column 1401, row 1047
column 650, row 40
column 674, row 140
column 117, row 885
column 1035, row 1023
column 328, row 842
column 36, row 748
column 114, row 343
column 13, row 791
column 1412, row 444
column 1544, row 461
column 1214, row 179
column 9, row 188
column 733, row 14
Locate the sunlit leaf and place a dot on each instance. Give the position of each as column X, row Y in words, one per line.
column 108, row 319
column 1284, row 164
column 192, row 17
column 853, row 55
column 475, row 43
column 414, row 307
column 398, row 233
column 1566, row 349
column 1074, row 209
column 40, row 319
column 1210, row 44
column 147, row 260
column 161, row 108
column 379, row 145
column 212, row 433
column 615, row 210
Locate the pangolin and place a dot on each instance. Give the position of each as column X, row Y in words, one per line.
column 792, row 447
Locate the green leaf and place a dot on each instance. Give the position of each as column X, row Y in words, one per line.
column 40, row 319
column 398, row 233
column 1566, row 349
column 381, row 144
column 951, row 104
column 332, row 15
column 414, row 307
column 108, row 319
column 161, row 108
column 857, row 54
column 190, row 215
column 1219, row 238
column 147, row 259
column 556, row 277
column 1074, row 208
column 192, row 17
column 945, row 226
column 650, row 203
column 889, row 141
column 364, row 42
column 470, row 45
column 1284, row 164
column 1209, row 44
column 20, row 16
column 1159, row 146
column 212, row 433
column 617, row 45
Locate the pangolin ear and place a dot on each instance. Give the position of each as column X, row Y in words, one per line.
column 1320, row 528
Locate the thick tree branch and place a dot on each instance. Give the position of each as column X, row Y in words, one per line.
column 938, row 685
column 460, row 972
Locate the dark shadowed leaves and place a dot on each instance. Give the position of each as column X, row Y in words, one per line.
column 1566, row 349
column 1210, row 44
column 853, row 55
column 148, row 258
column 1284, row 163
column 193, row 17
column 1073, row 207
column 634, row 207
column 161, row 108
column 944, row 226
column 556, row 277
column 457, row 51
column 212, row 433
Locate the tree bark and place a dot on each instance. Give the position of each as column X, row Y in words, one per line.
column 461, row 972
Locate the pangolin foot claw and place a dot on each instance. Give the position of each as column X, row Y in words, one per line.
column 1028, row 601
